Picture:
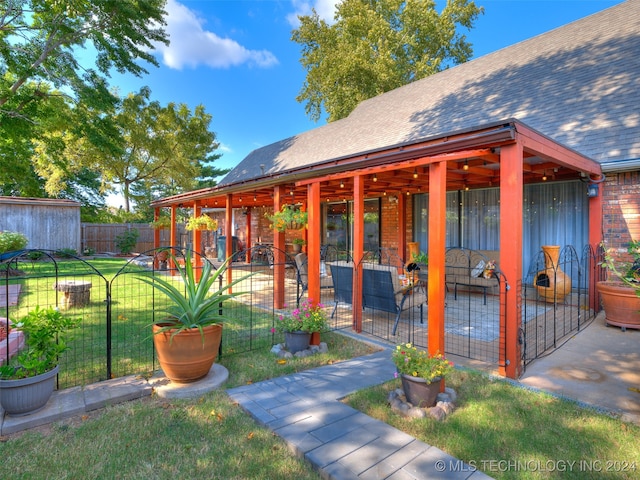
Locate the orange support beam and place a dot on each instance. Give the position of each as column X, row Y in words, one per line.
column 156, row 231
column 511, row 200
column 402, row 224
column 279, row 196
column 197, row 241
column 358, row 249
column 228, row 231
column 173, row 235
column 313, row 241
column 595, row 230
column 248, row 237
column 436, row 290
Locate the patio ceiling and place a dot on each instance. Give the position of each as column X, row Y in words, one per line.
column 472, row 158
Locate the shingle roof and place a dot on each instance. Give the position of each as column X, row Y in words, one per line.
column 578, row 84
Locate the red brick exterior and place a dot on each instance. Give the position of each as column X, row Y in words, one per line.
column 621, row 211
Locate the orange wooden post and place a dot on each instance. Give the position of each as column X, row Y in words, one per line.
column 402, row 224
column 358, row 250
column 437, row 243
column 248, row 238
column 156, row 231
column 511, row 198
column 313, row 241
column 595, row 233
column 228, row 231
column 173, row 236
column 197, row 240
column 278, row 251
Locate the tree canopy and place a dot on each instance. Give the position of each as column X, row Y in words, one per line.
column 375, row 46
column 50, row 92
column 42, row 40
column 166, row 149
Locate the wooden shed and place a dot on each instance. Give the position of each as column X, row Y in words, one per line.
column 49, row 224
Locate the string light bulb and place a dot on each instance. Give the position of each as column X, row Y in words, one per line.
column 341, row 184
column 466, row 165
column 375, row 177
column 415, row 173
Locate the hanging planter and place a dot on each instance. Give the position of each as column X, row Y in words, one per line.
column 161, row 223
column 289, row 217
column 201, row 222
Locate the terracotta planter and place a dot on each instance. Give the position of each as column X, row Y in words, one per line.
column 315, row 338
column 185, row 358
column 297, row 341
column 27, row 395
column 419, row 393
column 552, row 283
column 621, row 304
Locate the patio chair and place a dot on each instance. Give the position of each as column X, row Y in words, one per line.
column 303, row 275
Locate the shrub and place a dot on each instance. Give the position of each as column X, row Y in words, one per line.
column 66, row 252
column 11, row 241
column 126, row 241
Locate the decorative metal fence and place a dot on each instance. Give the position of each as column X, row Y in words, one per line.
column 559, row 297
column 116, row 308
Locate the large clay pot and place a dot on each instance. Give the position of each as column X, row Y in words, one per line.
column 621, row 304
column 419, row 393
column 27, row 395
column 552, row 283
column 185, row 358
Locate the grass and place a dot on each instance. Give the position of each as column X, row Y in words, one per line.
column 211, row 437
column 133, row 307
column 495, row 423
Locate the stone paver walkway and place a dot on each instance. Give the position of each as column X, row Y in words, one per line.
column 342, row 443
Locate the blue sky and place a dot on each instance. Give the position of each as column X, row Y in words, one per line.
column 236, row 58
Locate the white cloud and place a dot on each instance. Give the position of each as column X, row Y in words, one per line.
column 192, row 45
column 326, row 9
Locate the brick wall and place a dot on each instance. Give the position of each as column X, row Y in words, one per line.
column 621, row 211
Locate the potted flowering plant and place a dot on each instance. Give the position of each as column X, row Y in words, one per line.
column 201, row 222
column 289, row 217
column 420, row 373
column 162, row 222
column 300, row 323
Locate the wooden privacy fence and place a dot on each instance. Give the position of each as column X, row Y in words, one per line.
column 101, row 237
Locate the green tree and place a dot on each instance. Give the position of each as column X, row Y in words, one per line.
column 49, row 94
column 375, row 46
column 40, row 40
column 164, row 149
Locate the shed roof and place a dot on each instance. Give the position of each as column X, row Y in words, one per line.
column 578, row 84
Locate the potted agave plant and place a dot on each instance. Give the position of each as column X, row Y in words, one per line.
column 187, row 337
column 27, row 381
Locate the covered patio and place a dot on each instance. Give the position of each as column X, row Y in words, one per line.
column 507, row 155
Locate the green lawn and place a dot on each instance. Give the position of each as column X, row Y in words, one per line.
column 152, row 438
column 511, row 432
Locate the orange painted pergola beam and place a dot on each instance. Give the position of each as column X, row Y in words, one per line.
column 406, row 164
